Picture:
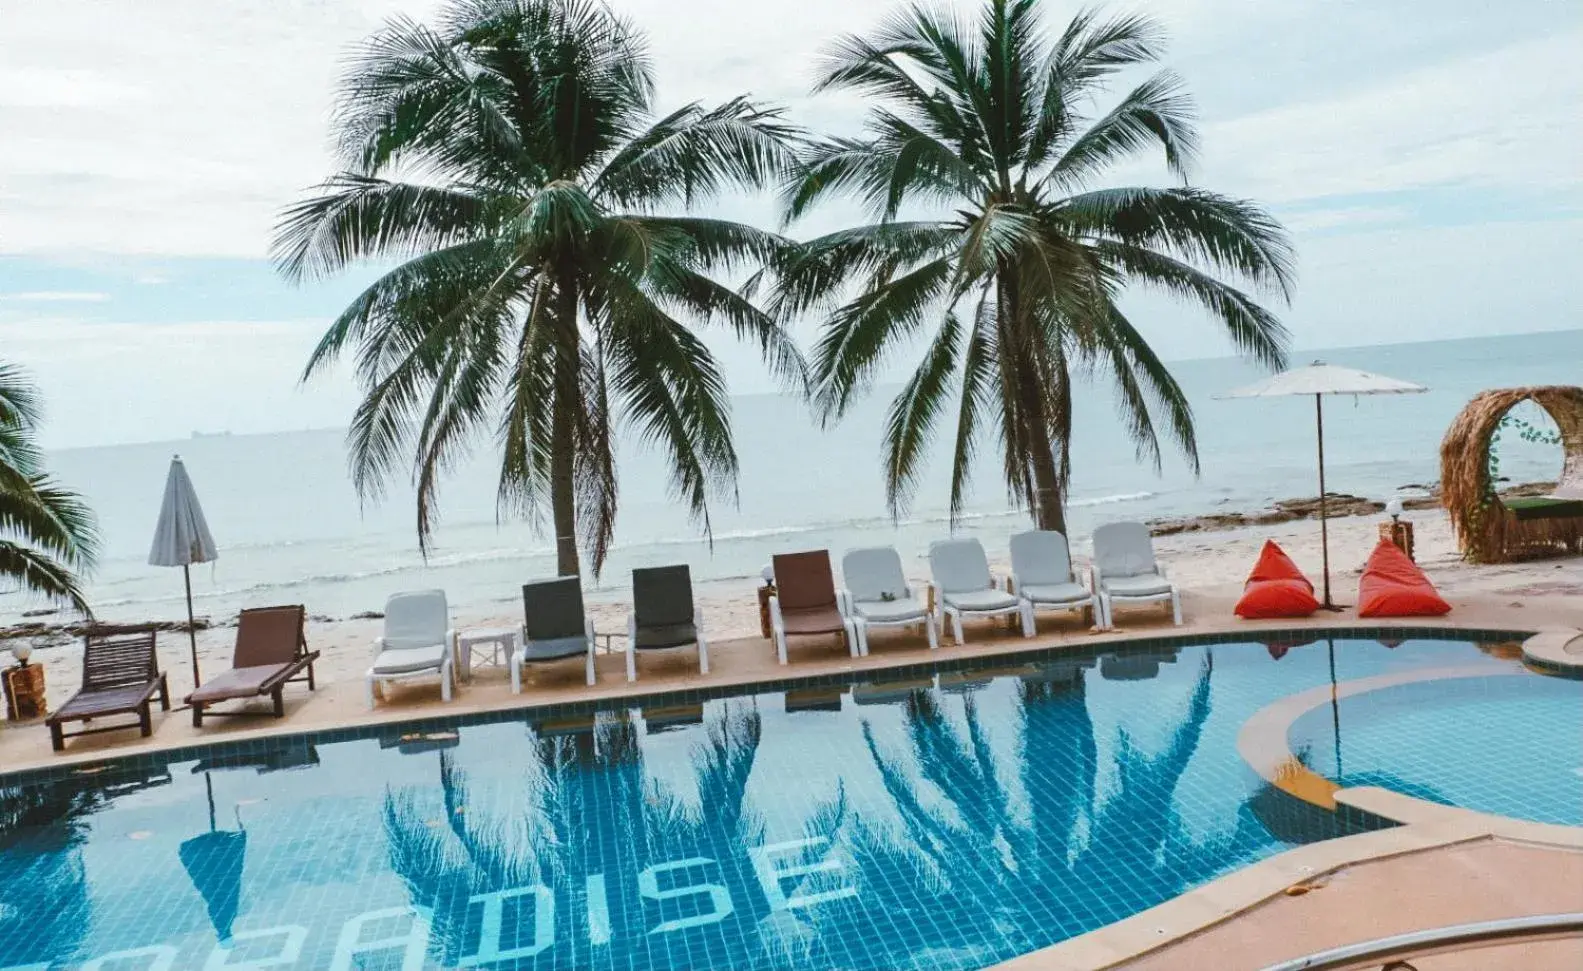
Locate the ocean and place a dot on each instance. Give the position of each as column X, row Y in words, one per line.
column 291, row 530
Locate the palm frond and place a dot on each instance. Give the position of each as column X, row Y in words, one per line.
column 41, row 574
column 913, row 414
column 1254, row 330
column 857, row 334
column 1225, row 235
column 1156, row 111
column 358, row 217
column 695, row 153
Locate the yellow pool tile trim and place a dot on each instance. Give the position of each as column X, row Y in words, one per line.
column 1262, row 741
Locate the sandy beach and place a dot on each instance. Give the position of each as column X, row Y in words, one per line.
column 1208, row 565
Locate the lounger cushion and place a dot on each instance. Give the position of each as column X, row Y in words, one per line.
column 238, row 683
column 890, row 612
column 108, row 701
column 981, row 600
column 407, row 660
column 1145, row 585
column 814, row 620
column 667, row 635
column 1054, row 593
column 1276, row 588
column 553, row 649
column 1394, row 586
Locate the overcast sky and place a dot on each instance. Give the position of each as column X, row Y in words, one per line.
column 1425, row 154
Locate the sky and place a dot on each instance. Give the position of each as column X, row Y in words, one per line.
column 1425, row 155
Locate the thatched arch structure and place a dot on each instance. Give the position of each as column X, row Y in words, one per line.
column 1487, row 530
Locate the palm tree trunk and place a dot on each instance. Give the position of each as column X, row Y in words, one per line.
column 1049, row 507
column 563, row 432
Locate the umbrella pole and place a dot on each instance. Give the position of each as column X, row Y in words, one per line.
column 192, row 625
column 1324, row 525
column 1335, row 705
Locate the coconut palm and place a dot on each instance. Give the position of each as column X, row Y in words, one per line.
column 994, row 124
column 507, row 155
column 47, row 534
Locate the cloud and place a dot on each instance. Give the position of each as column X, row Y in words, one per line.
column 55, row 296
column 1502, row 118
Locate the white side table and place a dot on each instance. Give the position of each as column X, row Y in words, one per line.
column 495, row 646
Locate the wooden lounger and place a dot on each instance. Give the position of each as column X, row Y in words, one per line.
column 120, row 676
column 271, row 651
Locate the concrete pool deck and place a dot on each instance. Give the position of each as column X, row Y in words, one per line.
column 1224, row 913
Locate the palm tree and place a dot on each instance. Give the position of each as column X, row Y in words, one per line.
column 47, row 534
column 993, row 124
column 508, row 157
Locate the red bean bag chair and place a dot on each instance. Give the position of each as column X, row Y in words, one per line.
column 1394, row 586
column 1276, row 587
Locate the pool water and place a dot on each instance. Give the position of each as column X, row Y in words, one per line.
column 1506, row 745
column 948, row 822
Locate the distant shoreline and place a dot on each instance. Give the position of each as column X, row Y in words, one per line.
column 1339, row 505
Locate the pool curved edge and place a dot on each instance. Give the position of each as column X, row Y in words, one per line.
column 1557, row 650
column 1262, row 741
column 1119, row 944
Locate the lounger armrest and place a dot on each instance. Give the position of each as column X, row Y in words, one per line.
column 1160, row 569
column 1016, row 584
column 843, row 602
column 450, row 644
column 379, row 645
column 776, row 623
column 588, row 630
column 698, row 620
column 632, row 630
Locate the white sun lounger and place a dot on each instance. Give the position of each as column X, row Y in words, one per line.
column 417, row 643
column 1041, row 573
column 875, row 594
column 964, row 587
column 1126, row 572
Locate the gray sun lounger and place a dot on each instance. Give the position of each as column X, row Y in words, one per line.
column 555, row 627
column 663, row 615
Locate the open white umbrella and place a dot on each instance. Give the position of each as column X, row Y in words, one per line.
column 1319, row 379
column 181, row 538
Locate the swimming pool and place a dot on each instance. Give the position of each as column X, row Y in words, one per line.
column 1506, row 745
column 945, row 822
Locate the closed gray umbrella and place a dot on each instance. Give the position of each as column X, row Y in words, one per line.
column 181, row 538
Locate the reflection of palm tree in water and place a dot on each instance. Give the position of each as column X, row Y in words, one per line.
column 596, row 821
column 44, row 905
column 1013, row 878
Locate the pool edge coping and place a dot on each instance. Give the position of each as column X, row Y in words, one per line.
column 272, row 737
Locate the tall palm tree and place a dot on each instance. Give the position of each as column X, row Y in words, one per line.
column 47, row 534
column 508, row 155
column 994, row 124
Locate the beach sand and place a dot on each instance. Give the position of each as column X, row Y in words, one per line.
column 1205, row 564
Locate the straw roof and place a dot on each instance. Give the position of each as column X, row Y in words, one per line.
column 1486, row 532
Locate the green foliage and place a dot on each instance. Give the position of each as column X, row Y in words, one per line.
column 991, row 120
column 47, row 534
column 507, row 157
column 1540, row 432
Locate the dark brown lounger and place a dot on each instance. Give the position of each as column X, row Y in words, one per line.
column 805, row 601
column 120, row 676
column 271, row 651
